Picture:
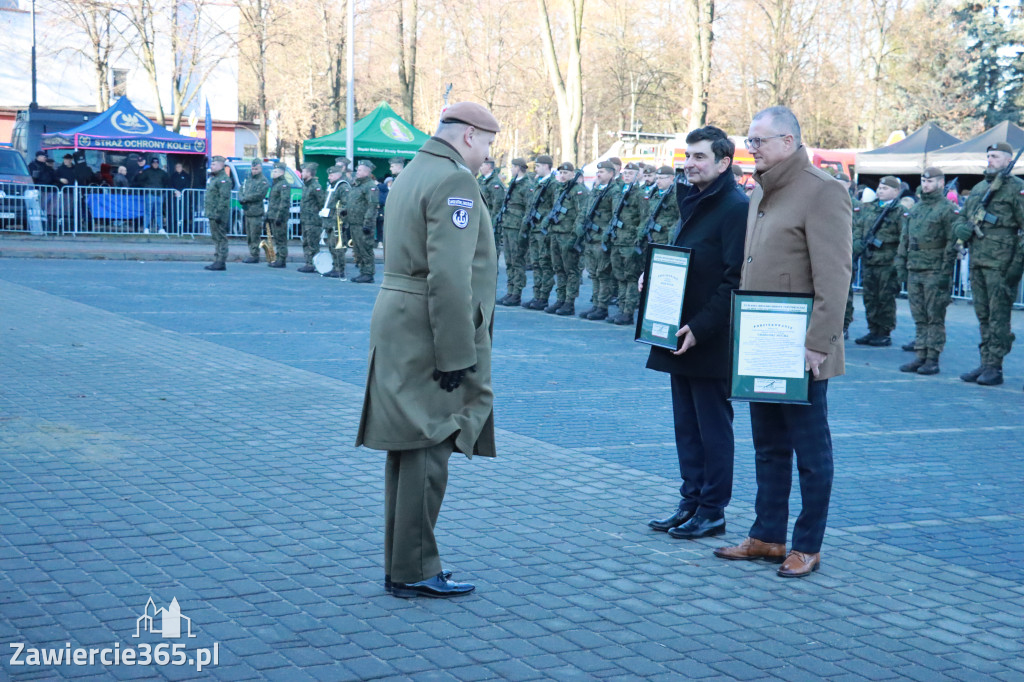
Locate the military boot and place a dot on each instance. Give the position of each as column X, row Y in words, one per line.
column 624, row 318
column 216, row 265
column 306, row 268
column 909, row 346
column 972, row 376
column 554, row 307
column 568, row 308
column 864, row 340
column 251, row 259
column 501, row 301
column 877, row 340
column 586, row 313
column 930, row 366
column 512, row 300
column 913, row 365
column 277, row 264
column 598, row 314
column 536, row 304
column 992, row 376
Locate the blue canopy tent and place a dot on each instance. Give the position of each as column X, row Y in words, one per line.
column 124, row 128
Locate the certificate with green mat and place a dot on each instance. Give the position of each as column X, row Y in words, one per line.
column 767, row 335
column 661, row 301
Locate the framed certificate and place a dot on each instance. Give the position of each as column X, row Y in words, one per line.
column 767, row 335
column 661, row 301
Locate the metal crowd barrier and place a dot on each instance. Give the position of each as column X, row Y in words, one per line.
column 35, row 209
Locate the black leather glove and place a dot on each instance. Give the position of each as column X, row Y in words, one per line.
column 450, row 381
column 366, row 230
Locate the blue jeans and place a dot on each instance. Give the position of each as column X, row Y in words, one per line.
column 154, row 214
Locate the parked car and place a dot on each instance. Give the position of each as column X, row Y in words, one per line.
column 19, row 200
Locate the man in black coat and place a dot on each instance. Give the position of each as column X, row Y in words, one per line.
column 41, row 173
column 713, row 223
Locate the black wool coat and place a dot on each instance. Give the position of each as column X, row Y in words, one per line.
column 714, row 226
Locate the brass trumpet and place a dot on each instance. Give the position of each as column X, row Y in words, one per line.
column 267, row 244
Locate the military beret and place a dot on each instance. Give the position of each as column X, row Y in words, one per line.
column 256, row 163
column 311, row 166
column 335, row 170
column 280, row 165
column 649, row 168
column 631, row 166
column 519, row 161
column 607, row 165
column 616, row 161
column 566, row 166
column 933, row 172
column 341, row 161
column 396, row 159
column 1000, row 147
column 365, row 162
column 666, row 170
column 545, row 159
column 891, row 181
column 488, row 160
column 216, row 158
column 472, row 114
column 843, row 176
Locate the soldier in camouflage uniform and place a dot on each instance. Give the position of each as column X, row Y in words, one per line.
column 622, row 245
column 309, row 215
column 279, row 207
column 844, row 179
column 363, row 204
column 599, row 209
column 995, row 260
column 661, row 214
column 492, row 189
column 925, row 262
column 560, row 224
column 218, row 211
column 333, row 215
column 538, row 205
column 879, row 280
column 251, row 196
column 510, row 224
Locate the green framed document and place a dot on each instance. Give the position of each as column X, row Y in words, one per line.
column 661, row 301
column 767, row 335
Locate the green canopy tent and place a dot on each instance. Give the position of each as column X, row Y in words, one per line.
column 379, row 135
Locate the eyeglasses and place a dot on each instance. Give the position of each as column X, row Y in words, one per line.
column 756, row 142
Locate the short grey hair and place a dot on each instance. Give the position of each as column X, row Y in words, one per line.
column 784, row 121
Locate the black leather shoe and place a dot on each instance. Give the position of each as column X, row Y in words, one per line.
column 699, row 527
column 972, row 376
column 879, row 341
column 436, row 587
column 218, row 265
column 680, row 517
column 306, row 269
column 251, row 259
column 992, row 376
column 445, row 573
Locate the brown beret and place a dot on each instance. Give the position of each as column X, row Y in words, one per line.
column 1000, row 147
column 666, row 170
column 212, row 158
column 631, row 166
column 311, row 166
column 933, row 172
column 256, row 163
column 519, row 161
column 891, row 181
column 472, row 114
column 566, row 166
column 545, row 159
column 616, row 160
column 607, row 165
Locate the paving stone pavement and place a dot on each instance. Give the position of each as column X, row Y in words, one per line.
column 169, row 433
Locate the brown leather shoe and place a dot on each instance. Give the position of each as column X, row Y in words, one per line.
column 753, row 549
column 799, row 565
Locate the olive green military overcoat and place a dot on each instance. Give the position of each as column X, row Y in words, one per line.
column 435, row 310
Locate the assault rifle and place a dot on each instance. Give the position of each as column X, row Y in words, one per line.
column 558, row 209
column 871, row 241
column 616, row 222
column 588, row 220
column 981, row 214
column 652, row 223
column 504, row 204
column 533, row 216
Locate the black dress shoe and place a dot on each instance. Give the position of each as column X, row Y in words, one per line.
column 445, row 573
column 680, row 517
column 699, row 527
column 436, row 587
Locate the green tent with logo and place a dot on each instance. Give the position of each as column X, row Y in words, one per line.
column 380, row 135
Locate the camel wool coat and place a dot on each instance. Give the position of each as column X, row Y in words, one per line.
column 435, row 310
column 799, row 241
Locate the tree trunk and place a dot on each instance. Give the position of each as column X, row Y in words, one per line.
column 407, row 59
column 701, row 14
column 568, row 90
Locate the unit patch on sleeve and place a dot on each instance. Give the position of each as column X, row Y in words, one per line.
column 460, row 202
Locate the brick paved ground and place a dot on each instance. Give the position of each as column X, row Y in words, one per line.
column 171, row 433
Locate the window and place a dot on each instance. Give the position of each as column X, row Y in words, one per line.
column 249, row 150
column 118, row 82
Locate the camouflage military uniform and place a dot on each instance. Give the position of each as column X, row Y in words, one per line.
column 993, row 262
column 622, row 250
column 335, row 204
column 878, row 278
column 848, row 317
column 363, row 203
column 251, row 196
column 565, row 261
column 511, row 227
column 925, row 261
column 492, row 189
column 218, row 212
column 540, row 201
column 309, row 217
column 663, row 207
column 278, row 211
column 598, row 261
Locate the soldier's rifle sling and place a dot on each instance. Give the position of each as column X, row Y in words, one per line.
column 982, row 215
column 504, row 203
column 588, row 219
column 533, row 214
column 652, row 225
column 615, row 222
column 869, row 238
column 558, row 209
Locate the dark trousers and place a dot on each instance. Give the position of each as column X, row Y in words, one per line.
column 780, row 430
column 414, row 486
column 704, row 442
